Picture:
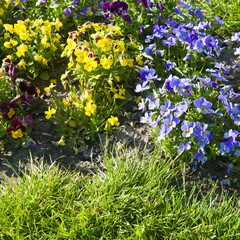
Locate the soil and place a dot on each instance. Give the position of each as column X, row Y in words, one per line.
column 131, row 134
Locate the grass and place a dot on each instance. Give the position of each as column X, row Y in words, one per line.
column 227, row 10
column 135, row 198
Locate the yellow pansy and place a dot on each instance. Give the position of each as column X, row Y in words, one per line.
column 20, row 28
column 81, row 54
column 22, row 64
column 7, row 2
column 113, row 121
column 17, row 1
column 50, row 112
column 90, row 64
column 120, row 94
column 37, row 91
column 9, row 28
column 139, row 59
column 45, row 42
column 38, row 22
column 86, row 95
column 49, row 88
column 71, row 45
column 61, row 141
column 116, row 30
column 21, row 50
column 46, row 30
column 10, row 44
column 45, row 62
column 1, row 12
column 17, row 134
column 123, row 61
column 58, row 24
column 90, row 109
column 119, row 46
column 24, row 36
column 11, row 113
column 38, row 58
column 130, row 62
column 106, row 62
column 105, row 43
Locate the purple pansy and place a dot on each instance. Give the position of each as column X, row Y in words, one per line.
column 187, row 128
column 166, row 108
column 67, row 12
column 183, row 147
column 217, row 19
column 200, row 156
column 203, row 106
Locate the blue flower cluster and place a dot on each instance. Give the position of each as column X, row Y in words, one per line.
column 191, row 108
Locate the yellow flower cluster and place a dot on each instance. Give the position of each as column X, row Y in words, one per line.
column 102, row 50
column 81, row 101
column 31, row 41
column 98, row 59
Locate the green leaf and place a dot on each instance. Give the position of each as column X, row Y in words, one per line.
column 147, row 56
column 54, row 6
column 44, row 76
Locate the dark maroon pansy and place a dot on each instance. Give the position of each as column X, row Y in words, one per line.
column 31, row 90
column 23, row 86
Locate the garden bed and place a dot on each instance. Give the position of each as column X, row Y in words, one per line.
column 131, row 134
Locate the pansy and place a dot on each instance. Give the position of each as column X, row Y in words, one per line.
column 169, row 65
column 141, row 88
column 237, row 51
column 50, row 112
column 203, row 106
column 170, row 123
column 217, row 19
column 16, row 129
column 159, row 31
column 67, row 12
column 200, row 156
column 169, row 42
column 149, row 50
column 183, row 147
column 202, row 141
column 126, row 18
column 166, row 108
column 147, row 74
column 236, row 37
column 180, row 110
column 187, row 128
column 28, row 119
column 161, row 132
column 225, row 147
column 145, row 118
